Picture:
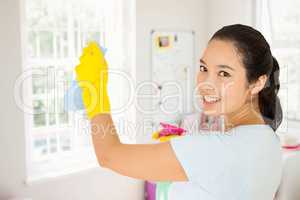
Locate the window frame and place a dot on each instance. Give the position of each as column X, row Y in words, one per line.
column 39, row 171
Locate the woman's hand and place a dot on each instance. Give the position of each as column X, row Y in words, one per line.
column 92, row 77
column 168, row 132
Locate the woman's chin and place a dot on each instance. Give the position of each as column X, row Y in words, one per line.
column 210, row 112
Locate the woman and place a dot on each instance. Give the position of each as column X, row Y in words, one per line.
column 237, row 80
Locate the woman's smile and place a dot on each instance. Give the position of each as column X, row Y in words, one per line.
column 209, row 101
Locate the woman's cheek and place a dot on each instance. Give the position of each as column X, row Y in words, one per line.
column 230, row 100
column 200, row 78
column 234, row 98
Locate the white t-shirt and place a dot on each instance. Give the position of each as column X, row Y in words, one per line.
column 241, row 164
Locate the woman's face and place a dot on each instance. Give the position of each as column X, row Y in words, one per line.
column 221, row 79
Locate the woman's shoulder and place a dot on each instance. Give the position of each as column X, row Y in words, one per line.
column 259, row 136
column 254, row 129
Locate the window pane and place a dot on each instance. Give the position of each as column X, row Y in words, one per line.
column 63, row 118
column 64, row 41
column 40, row 147
column 31, row 44
column 65, row 142
column 51, row 80
column 53, row 144
column 285, row 19
column 63, row 115
column 93, row 36
column 39, row 83
column 46, row 44
column 52, row 119
column 39, row 120
column 39, row 116
column 52, row 113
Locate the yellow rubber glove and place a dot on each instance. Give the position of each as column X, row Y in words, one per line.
column 92, row 78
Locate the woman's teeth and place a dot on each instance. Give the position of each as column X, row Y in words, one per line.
column 211, row 99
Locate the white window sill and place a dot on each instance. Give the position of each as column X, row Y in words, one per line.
column 58, row 168
column 32, row 180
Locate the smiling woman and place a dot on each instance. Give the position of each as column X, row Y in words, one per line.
column 238, row 80
column 257, row 72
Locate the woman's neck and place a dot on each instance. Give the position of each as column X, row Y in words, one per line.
column 248, row 114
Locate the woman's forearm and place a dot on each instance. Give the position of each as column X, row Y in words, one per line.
column 104, row 136
column 156, row 162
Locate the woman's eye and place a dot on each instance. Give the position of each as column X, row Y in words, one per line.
column 224, row 74
column 202, row 68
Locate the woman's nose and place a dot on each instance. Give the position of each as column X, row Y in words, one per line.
column 207, row 85
column 207, row 88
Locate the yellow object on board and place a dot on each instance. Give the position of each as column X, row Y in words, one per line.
column 155, row 136
column 92, row 78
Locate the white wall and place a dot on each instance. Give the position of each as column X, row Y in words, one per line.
column 170, row 15
column 226, row 12
column 90, row 185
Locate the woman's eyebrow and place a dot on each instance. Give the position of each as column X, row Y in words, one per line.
column 225, row 66
column 202, row 61
column 221, row 66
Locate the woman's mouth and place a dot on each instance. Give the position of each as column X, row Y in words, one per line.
column 210, row 100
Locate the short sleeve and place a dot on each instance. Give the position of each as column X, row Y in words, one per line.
column 203, row 157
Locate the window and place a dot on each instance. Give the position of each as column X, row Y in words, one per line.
column 279, row 22
column 55, row 32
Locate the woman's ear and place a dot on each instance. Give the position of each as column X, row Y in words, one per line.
column 259, row 84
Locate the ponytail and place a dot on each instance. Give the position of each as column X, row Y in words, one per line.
column 269, row 103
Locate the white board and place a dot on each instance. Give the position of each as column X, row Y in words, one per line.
column 172, row 60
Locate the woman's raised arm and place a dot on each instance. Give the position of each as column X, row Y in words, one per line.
column 156, row 162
